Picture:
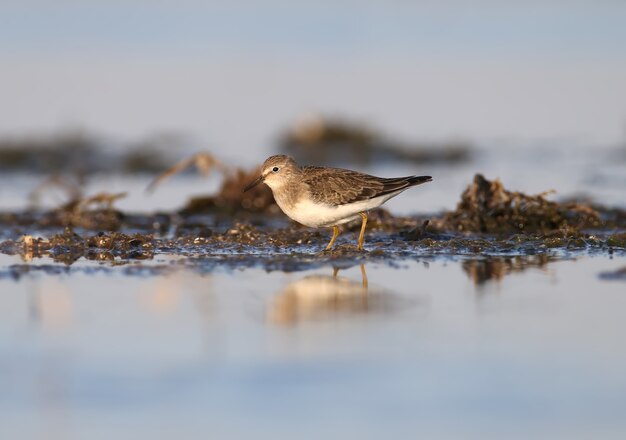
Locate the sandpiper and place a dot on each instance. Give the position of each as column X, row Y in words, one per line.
column 328, row 197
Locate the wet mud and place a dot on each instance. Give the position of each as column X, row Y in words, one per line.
column 203, row 249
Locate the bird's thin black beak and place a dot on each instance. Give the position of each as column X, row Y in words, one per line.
column 253, row 184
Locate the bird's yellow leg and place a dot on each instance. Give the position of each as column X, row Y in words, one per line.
column 336, row 232
column 362, row 234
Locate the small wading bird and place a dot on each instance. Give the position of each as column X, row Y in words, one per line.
column 325, row 197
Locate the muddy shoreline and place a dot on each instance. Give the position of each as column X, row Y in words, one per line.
column 488, row 222
column 285, row 246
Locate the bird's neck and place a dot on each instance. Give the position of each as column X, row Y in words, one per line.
column 288, row 194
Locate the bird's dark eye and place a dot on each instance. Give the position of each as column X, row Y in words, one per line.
column 275, row 169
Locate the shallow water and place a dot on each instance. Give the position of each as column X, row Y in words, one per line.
column 222, row 339
column 452, row 347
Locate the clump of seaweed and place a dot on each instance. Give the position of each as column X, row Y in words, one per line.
column 322, row 140
column 617, row 240
column 95, row 212
column 230, row 198
column 487, row 207
column 69, row 247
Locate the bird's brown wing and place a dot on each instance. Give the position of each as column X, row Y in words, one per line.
column 335, row 186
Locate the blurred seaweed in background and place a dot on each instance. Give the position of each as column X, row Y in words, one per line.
column 82, row 153
column 330, row 141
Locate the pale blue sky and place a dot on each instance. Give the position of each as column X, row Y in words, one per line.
column 234, row 75
column 509, row 29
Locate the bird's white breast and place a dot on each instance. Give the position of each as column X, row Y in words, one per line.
column 316, row 215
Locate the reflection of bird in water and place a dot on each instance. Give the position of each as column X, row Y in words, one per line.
column 320, row 296
column 51, row 305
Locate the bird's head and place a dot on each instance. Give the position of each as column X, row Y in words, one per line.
column 275, row 172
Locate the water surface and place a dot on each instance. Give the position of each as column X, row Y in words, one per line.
column 442, row 348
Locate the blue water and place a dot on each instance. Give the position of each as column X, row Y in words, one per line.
column 423, row 351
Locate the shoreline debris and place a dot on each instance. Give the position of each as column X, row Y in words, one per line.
column 487, row 207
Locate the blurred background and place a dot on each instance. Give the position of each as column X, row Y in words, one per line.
column 103, row 96
column 542, row 81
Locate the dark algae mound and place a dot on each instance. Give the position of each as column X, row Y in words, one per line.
column 68, row 247
column 487, row 207
column 231, row 199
